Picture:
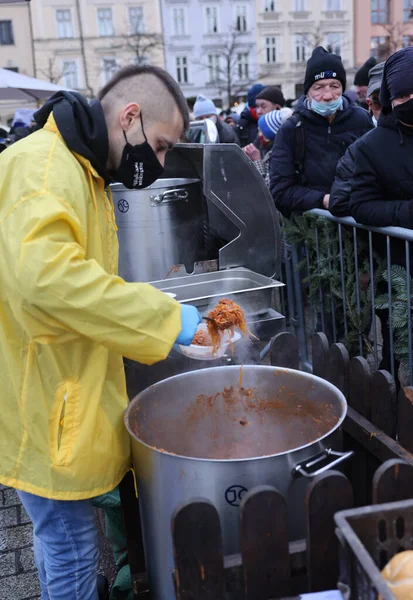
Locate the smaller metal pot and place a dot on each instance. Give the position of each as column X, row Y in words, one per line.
column 159, row 227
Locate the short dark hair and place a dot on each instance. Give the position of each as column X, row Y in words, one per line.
column 168, row 81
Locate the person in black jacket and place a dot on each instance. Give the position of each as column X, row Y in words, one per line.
column 247, row 129
column 361, row 81
column 309, row 145
column 341, row 189
column 382, row 185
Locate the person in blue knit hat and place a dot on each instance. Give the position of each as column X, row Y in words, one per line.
column 268, row 127
column 204, row 108
column 248, row 123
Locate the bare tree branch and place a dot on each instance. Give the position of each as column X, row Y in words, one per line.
column 141, row 45
column 52, row 73
column 395, row 33
column 231, row 76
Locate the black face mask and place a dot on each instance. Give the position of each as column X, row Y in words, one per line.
column 139, row 165
column 404, row 112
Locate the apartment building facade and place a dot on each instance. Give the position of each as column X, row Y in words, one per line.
column 288, row 30
column 15, row 47
column 210, row 46
column 82, row 43
column 381, row 27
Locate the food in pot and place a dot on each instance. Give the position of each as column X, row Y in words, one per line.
column 398, row 574
column 225, row 317
column 238, row 422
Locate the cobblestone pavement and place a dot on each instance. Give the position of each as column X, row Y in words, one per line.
column 18, row 573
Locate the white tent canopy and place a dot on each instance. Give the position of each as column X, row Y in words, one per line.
column 14, row 86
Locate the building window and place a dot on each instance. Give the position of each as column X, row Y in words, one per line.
column 181, row 69
column 379, row 11
column 380, row 48
column 69, row 74
column 271, row 49
column 333, row 43
column 241, row 17
column 299, row 5
column 211, row 20
column 109, row 67
column 270, row 5
column 300, row 48
column 407, row 10
column 334, row 5
column 136, row 19
column 64, row 23
column 214, row 67
column 105, row 20
column 407, row 40
column 243, row 66
column 6, row 33
column 179, row 20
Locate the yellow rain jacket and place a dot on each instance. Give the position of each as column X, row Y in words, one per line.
column 66, row 319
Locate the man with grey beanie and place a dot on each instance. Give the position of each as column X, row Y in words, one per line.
column 204, row 108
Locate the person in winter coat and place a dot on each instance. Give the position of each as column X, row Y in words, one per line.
column 268, row 127
column 271, row 98
column 310, row 144
column 206, row 109
column 66, row 317
column 247, row 129
column 361, row 81
column 382, row 185
column 341, row 189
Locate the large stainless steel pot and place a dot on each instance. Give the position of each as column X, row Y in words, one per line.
column 216, row 433
column 159, row 227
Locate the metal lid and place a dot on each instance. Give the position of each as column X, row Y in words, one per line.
column 156, row 185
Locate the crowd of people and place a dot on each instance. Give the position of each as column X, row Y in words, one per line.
column 332, row 151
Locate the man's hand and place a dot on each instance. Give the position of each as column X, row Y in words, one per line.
column 326, row 201
column 190, row 319
column 252, row 152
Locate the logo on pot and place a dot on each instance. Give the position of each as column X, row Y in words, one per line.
column 234, row 494
column 123, row 206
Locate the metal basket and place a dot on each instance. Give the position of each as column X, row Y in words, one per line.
column 369, row 537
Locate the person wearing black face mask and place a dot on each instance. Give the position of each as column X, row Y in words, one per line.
column 67, row 319
column 382, row 185
column 139, row 166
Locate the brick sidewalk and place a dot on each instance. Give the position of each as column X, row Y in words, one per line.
column 18, row 574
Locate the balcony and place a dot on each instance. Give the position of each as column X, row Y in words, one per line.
column 336, row 15
column 271, row 15
column 300, row 15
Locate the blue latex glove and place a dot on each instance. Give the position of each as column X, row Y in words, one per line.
column 190, row 319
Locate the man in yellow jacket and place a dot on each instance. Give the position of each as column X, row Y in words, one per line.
column 66, row 318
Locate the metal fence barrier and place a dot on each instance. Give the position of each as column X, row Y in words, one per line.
column 353, row 283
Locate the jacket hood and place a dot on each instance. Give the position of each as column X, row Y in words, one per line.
column 387, row 120
column 82, row 126
column 303, row 110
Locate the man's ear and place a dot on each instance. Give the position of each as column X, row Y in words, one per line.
column 129, row 114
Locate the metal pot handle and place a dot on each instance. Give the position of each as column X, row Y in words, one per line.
column 303, row 469
column 170, row 196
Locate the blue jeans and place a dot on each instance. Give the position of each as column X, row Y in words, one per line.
column 65, row 546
